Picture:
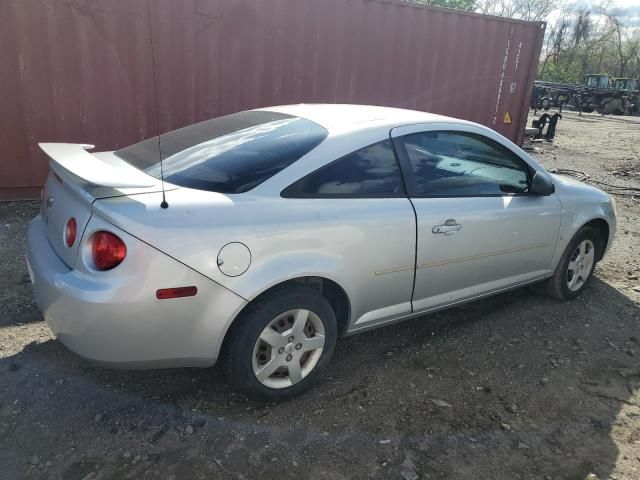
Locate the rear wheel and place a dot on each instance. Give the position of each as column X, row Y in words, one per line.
column 576, row 265
column 279, row 346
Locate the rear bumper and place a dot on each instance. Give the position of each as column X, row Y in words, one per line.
column 114, row 317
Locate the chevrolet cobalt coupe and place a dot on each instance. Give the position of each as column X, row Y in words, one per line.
column 261, row 237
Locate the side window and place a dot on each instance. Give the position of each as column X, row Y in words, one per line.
column 463, row 164
column 369, row 172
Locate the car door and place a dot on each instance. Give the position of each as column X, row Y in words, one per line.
column 479, row 230
column 355, row 213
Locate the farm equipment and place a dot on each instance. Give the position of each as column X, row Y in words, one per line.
column 602, row 93
column 628, row 84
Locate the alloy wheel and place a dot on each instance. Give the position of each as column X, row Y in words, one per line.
column 288, row 348
column 580, row 265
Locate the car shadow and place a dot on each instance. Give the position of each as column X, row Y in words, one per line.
column 515, row 386
column 15, row 286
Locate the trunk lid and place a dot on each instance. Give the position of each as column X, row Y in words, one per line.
column 76, row 179
column 60, row 202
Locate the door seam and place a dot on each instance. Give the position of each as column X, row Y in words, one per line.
column 415, row 254
column 405, row 174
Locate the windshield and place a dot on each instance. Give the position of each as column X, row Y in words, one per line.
column 230, row 154
column 598, row 81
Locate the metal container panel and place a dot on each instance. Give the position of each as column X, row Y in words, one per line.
column 82, row 70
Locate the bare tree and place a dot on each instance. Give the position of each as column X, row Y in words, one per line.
column 583, row 42
column 555, row 40
column 617, row 28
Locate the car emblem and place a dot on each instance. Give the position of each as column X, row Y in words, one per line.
column 49, row 202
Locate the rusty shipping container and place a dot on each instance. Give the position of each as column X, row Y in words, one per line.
column 82, row 70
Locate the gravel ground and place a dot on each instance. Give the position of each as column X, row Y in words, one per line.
column 516, row 386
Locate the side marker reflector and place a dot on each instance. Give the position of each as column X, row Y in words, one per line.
column 176, row 292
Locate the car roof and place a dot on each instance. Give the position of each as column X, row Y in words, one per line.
column 333, row 116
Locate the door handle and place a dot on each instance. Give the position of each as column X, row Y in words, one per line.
column 448, row 228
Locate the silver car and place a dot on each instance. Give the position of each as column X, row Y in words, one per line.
column 261, row 237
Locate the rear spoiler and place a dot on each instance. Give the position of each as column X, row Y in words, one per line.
column 94, row 170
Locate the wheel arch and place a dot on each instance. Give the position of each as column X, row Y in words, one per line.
column 601, row 226
column 329, row 289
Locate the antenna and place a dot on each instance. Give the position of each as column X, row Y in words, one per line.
column 164, row 203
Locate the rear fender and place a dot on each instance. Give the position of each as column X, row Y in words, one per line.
column 187, row 331
column 275, row 270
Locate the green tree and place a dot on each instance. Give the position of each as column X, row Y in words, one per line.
column 530, row 10
column 468, row 5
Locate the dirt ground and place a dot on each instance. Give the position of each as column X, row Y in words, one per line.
column 516, row 386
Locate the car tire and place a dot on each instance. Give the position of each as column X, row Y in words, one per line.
column 573, row 272
column 246, row 354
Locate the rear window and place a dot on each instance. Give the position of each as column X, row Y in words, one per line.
column 230, row 154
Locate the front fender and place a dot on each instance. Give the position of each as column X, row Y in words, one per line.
column 581, row 204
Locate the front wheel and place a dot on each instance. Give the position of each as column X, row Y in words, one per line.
column 279, row 346
column 576, row 265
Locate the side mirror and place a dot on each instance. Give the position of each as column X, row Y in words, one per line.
column 541, row 184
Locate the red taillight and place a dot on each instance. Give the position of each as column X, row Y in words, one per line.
column 176, row 292
column 108, row 250
column 70, row 232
